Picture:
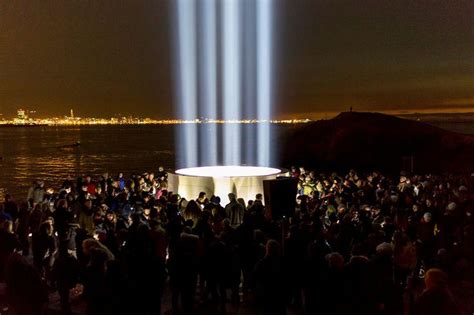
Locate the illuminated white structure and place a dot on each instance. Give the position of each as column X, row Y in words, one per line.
column 244, row 181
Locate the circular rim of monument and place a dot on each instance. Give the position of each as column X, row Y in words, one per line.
column 228, row 171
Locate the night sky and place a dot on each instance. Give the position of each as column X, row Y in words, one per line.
column 109, row 57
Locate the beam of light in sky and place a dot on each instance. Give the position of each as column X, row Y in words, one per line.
column 231, row 80
column 264, row 61
column 208, row 79
column 230, row 66
column 187, row 87
column 249, row 43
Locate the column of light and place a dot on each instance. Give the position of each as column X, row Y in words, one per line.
column 231, row 83
column 264, row 60
column 208, row 77
column 249, row 79
column 187, row 87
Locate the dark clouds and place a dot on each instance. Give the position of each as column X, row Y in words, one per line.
column 107, row 57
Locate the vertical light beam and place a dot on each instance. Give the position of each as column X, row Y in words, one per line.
column 208, row 78
column 249, row 78
column 264, row 61
column 187, row 84
column 231, row 80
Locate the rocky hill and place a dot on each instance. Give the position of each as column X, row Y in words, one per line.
column 378, row 141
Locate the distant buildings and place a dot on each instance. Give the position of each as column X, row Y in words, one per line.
column 22, row 118
column 21, row 114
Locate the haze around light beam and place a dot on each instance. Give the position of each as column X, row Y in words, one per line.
column 224, row 71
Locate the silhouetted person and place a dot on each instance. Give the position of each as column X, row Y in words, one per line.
column 234, row 210
column 65, row 275
column 218, row 262
column 382, row 269
column 96, row 290
column 44, row 247
column 202, row 199
column 359, row 288
column 10, row 207
column 271, row 280
column 159, row 244
column 426, row 240
column 26, row 292
column 436, row 298
column 62, row 219
column 23, row 228
column 329, row 301
column 8, row 243
column 183, row 268
column 294, row 258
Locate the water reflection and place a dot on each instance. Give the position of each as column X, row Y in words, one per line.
column 29, row 154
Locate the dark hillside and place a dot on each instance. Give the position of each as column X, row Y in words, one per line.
column 372, row 140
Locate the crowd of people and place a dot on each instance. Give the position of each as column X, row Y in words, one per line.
column 356, row 244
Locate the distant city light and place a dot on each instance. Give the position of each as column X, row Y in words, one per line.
column 83, row 121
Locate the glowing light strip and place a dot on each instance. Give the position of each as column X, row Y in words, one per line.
column 208, row 75
column 249, row 79
column 264, row 60
column 187, row 80
column 231, row 77
column 228, row 171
